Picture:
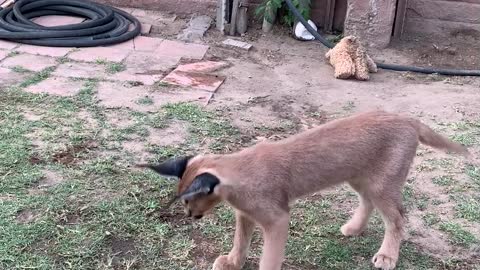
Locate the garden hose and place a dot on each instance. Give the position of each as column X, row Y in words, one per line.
column 318, row 37
column 105, row 25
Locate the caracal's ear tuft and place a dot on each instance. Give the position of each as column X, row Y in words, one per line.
column 202, row 185
column 171, row 167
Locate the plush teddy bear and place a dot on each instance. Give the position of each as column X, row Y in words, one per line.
column 350, row 59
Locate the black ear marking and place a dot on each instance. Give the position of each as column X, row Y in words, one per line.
column 203, row 184
column 172, row 167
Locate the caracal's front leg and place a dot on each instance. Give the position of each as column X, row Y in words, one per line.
column 275, row 236
column 243, row 235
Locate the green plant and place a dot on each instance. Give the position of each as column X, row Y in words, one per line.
column 269, row 7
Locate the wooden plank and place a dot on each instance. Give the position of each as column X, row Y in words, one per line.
column 339, row 14
column 399, row 23
column 445, row 10
column 233, row 21
column 330, row 11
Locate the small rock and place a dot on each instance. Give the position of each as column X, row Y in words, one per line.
column 238, row 44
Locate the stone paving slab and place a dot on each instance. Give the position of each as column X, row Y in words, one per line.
column 144, row 30
column 57, row 86
column 98, row 71
column 116, row 95
column 139, row 43
column 3, row 54
column 95, row 54
column 148, row 63
column 142, row 43
column 42, row 50
column 7, row 45
column 130, row 75
column 181, row 49
column 9, row 77
column 57, row 20
column 81, row 70
column 207, row 82
column 203, row 66
column 196, row 29
column 29, row 62
column 196, row 75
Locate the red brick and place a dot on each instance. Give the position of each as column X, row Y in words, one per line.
column 203, row 66
column 184, row 50
column 41, row 50
column 29, row 61
column 99, row 53
column 207, row 82
column 56, row 20
column 8, row 45
column 57, row 86
column 81, row 70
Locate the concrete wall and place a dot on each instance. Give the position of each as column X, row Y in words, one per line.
column 443, row 17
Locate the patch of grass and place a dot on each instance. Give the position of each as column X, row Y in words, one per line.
column 37, row 77
column 20, row 69
column 430, row 219
column 13, row 53
column 114, row 67
column 162, row 84
column 467, row 139
column 473, row 173
column 63, row 59
column 457, row 234
column 105, row 215
column 422, row 201
column 145, row 101
column 204, row 124
column 349, row 106
column 467, row 132
column 444, row 180
column 111, row 67
column 468, row 208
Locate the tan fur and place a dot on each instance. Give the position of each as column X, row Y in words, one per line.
column 350, row 59
column 371, row 151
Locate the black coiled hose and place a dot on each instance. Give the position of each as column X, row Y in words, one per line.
column 104, row 25
column 318, row 37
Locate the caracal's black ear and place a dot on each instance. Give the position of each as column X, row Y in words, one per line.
column 202, row 185
column 172, row 167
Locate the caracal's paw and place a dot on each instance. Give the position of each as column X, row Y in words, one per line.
column 351, row 229
column 384, row 262
column 223, row 263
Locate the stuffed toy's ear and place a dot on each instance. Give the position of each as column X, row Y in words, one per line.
column 172, row 167
column 202, row 185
